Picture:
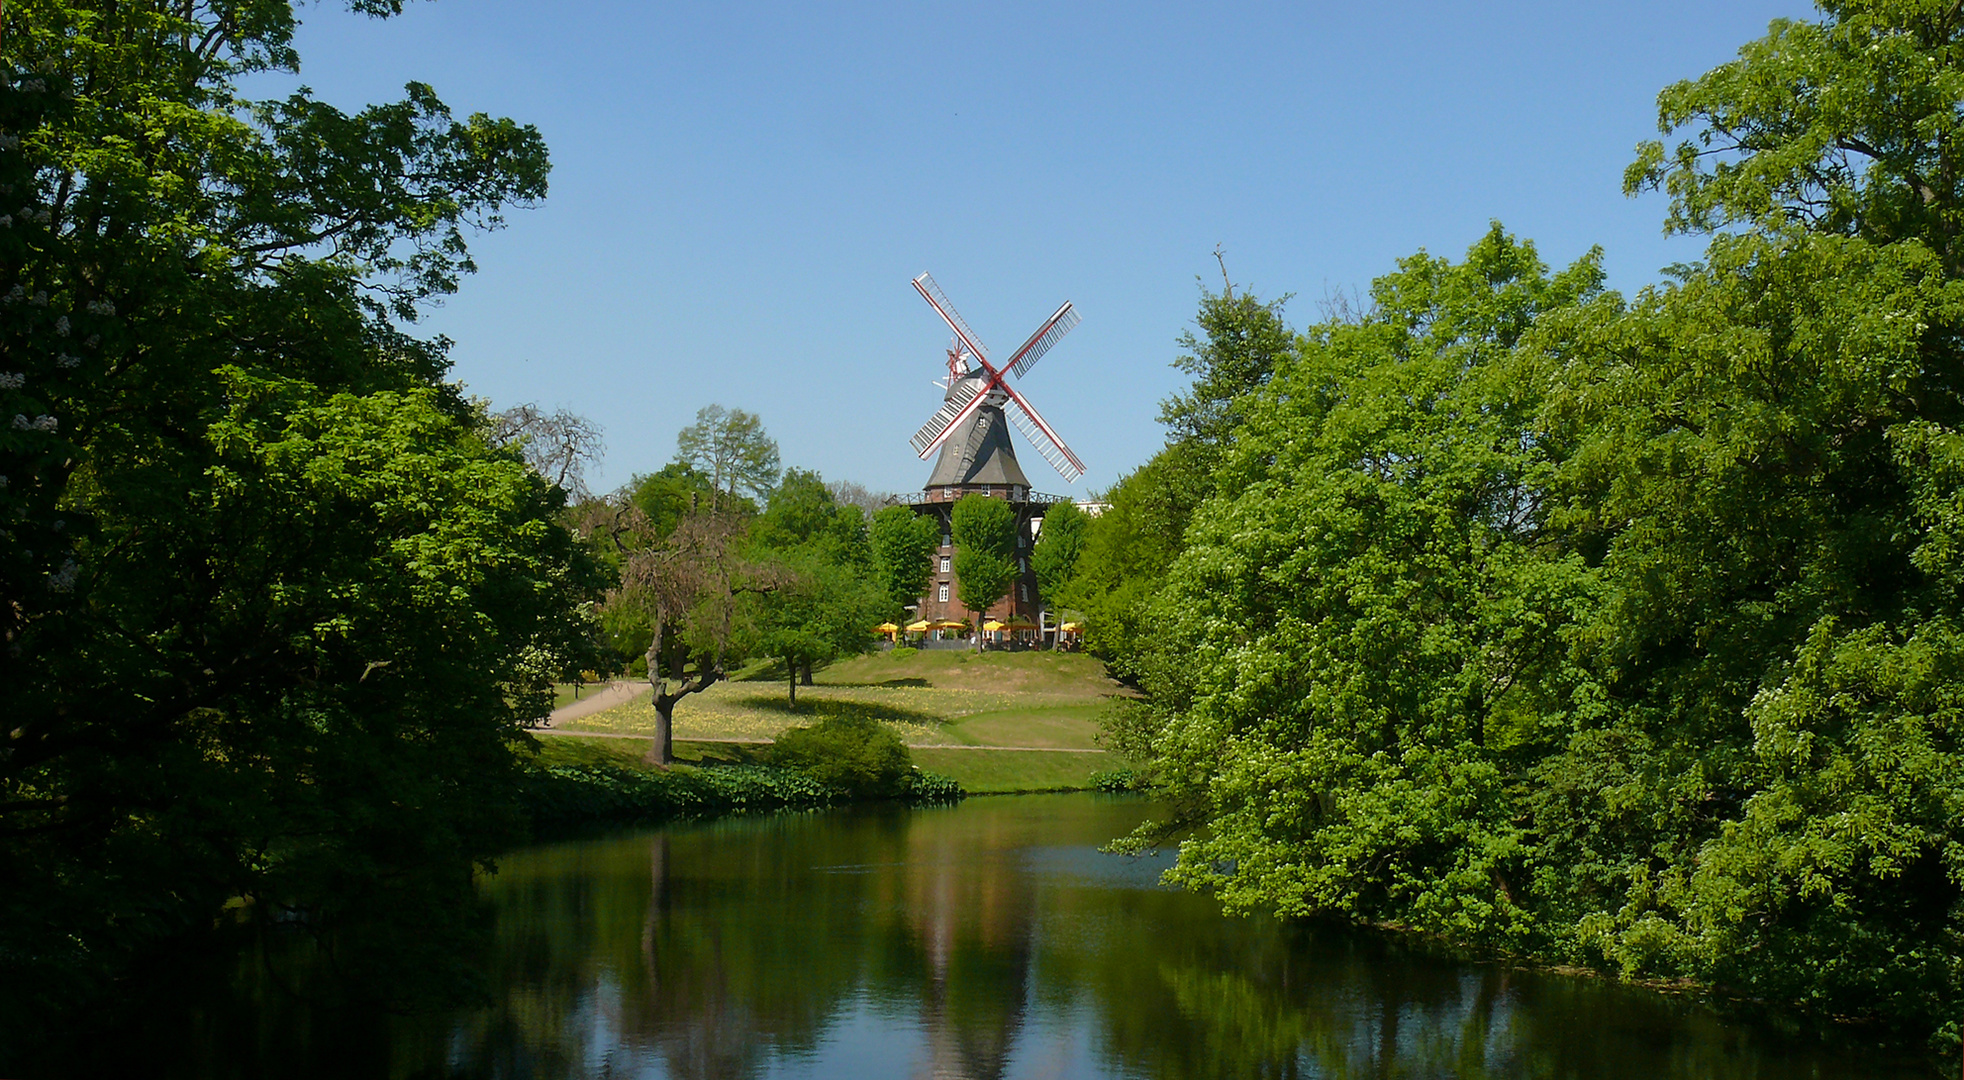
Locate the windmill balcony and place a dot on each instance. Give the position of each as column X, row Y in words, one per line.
column 1014, row 493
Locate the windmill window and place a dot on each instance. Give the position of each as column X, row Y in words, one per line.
column 944, row 592
column 947, row 540
column 945, row 563
column 1025, row 589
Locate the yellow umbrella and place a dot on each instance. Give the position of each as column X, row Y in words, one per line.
column 950, row 624
column 992, row 626
column 1070, row 628
column 917, row 627
column 885, row 628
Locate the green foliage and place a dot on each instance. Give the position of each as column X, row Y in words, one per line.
column 1119, row 781
column 926, row 788
column 564, row 797
column 730, row 449
column 667, row 496
column 1058, row 545
column 1246, row 340
column 274, row 610
column 825, row 602
column 1127, row 552
column 1849, row 126
column 1335, row 643
column 903, row 546
column 1622, row 634
column 850, row 753
column 985, row 550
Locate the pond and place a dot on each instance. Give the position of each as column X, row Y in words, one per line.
column 990, row 940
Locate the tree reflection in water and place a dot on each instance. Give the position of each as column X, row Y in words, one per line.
column 992, row 940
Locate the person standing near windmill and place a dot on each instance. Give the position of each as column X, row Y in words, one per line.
column 971, row 431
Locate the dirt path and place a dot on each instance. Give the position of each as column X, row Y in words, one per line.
column 614, row 693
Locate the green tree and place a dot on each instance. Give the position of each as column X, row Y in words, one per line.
column 274, row 611
column 1245, row 341
column 1128, row 549
column 730, row 448
column 828, row 601
column 985, row 552
column 903, row 551
column 1624, row 633
column 1127, row 552
column 1359, row 642
column 1054, row 558
column 1768, row 508
column 685, row 597
column 1848, row 126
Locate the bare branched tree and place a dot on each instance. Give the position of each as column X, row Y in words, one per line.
column 870, row 502
column 688, row 588
column 559, row 446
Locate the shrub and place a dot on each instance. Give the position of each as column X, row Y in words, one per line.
column 562, row 797
column 927, row 787
column 1119, row 780
column 858, row 756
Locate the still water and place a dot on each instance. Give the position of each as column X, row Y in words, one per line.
column 985, row 941
column 994, row 940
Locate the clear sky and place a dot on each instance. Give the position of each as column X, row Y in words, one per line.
column 741, row 192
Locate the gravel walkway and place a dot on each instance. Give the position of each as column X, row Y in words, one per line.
column 618, row 692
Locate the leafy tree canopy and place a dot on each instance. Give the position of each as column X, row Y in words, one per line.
column 1847, row 126
column 729, row 447
column 985, row 550
column 1622, row 633
column 827, row 603
column 274, row 608
column 1054, row 558
column 903, row 542
column 1244, row 341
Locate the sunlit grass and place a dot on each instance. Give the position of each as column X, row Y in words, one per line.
column 1042, row 700
column 987, row 772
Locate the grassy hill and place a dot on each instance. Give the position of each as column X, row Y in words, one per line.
column 941, row 703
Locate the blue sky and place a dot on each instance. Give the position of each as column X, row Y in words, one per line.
column 741, row 192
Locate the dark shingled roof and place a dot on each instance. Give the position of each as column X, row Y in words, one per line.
column 979, row 453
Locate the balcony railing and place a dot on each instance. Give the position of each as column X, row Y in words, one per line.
column 1012, row 492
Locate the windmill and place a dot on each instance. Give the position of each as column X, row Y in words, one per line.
column 971, row 432
column 968, row 428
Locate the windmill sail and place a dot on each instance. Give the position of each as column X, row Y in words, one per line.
column 1045, row 440
column 1050, row 333
column 961, row 401
column 939, row 301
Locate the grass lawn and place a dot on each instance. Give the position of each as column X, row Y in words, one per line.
column 995, row 772
column 992, row 699
column 1045, row 700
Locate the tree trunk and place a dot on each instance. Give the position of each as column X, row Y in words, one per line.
column 805, row 673
column 663, row 752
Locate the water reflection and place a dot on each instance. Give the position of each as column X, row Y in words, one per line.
column 991, row 940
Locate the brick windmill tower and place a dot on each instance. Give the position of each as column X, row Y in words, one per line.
column 971, row 430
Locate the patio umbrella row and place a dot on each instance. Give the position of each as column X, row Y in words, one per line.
column 1017, row 622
